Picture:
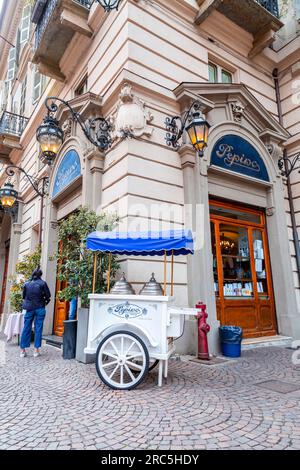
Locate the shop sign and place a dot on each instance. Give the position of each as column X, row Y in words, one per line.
column 127, row 310
column 236, row 154
column 68, row 171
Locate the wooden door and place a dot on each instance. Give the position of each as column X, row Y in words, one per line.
column 242, row 272
column 4, row 282
column 61, row 309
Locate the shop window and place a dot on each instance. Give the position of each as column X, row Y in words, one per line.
column 232, row 213
column 82, row 87
column 218, row 74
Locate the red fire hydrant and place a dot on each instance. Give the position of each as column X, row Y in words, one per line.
column 203, row 330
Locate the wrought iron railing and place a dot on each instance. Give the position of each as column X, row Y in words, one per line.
column 12, row 124
column 46, row 16
column 271, row 6
column 85, row 3
column 44, row 20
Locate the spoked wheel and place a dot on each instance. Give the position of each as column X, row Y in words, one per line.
column 152, row 364
column 122, row 360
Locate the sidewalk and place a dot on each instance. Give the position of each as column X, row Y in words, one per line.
column 49, row 403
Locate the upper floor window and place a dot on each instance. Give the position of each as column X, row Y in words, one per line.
column 25, row 24
column 12, row 64
column 23, row 97
column 218, row 74
column 82, row 87
column 39, row 85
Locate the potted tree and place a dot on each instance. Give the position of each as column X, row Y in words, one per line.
column 75, row 268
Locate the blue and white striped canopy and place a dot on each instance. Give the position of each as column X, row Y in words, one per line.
column 179, row 242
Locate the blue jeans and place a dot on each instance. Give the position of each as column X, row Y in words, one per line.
column 38, row 316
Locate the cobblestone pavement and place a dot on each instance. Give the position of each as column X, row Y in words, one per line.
column 49, row 403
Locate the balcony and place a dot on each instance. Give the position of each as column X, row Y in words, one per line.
column 258, row 17
column 11, row 129
column 57, row 21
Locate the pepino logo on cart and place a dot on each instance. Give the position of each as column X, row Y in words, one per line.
column 127, row 311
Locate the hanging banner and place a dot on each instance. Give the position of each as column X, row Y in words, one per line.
column 68, row 171
column 236, row 154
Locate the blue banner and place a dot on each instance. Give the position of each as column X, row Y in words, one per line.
column 68, row 171
column 234, row 153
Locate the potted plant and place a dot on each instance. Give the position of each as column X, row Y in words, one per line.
column 75, row 268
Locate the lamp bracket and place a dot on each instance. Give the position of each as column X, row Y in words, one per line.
column 176, row 125
column 97, row 130
column 288, row 165
column 35, row 183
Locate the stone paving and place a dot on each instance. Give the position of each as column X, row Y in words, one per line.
column 50, row 403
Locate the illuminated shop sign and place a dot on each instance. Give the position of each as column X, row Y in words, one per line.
column 236, row 154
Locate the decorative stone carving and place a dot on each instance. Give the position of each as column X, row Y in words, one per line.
column 275, row 151
column 67, row 127
column 131, row 118
column 238, row 111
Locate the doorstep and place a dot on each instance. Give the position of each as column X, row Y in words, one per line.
column 53, row 340
column 267, row 341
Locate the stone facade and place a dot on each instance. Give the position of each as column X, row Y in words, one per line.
column 140, row 64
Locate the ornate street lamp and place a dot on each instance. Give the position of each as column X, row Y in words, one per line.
column 288, row 165
column 8, row 195
column 194, row 124
column 50, row 136
column 109, row 5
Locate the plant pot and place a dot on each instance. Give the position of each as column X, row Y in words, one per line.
column 82, row 335
column 69, row 339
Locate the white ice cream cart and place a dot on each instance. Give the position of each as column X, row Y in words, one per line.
column 130, row 334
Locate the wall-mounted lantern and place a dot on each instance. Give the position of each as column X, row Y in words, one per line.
column 194, row 124
column 50, row 136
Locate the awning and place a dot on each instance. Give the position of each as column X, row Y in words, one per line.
column 179, row 242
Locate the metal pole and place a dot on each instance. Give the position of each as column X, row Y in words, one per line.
column 41, row 216
column 172, row 274
column 289, row 186
column 95, row 273
column 165, row 274
column 109, row 269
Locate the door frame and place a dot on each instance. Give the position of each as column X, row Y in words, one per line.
column 221, row 302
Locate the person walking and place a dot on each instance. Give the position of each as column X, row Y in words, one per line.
column 36, row 295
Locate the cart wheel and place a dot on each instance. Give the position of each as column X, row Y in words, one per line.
column 152, row 364
column 114, row 360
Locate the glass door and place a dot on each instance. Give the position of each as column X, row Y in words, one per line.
column 241, row 267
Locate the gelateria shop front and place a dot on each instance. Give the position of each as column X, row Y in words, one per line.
column 250, row 252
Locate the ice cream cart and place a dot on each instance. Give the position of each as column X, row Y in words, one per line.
column 131, row 333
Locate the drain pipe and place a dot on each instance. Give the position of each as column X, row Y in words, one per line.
column 289, row 186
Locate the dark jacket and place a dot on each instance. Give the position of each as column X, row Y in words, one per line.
column 36, row 294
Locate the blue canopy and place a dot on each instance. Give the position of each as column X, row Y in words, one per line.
column 179, row 242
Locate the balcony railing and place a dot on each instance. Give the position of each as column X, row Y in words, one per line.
column 47, row 12
column 12, row 124
column 85, row 3
column 271, row 6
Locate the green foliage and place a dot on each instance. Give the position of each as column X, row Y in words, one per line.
column 24, row 271
column 75, row 262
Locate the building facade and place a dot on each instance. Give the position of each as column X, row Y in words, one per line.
column 136, row 66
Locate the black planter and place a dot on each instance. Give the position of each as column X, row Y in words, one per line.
column 69, row 339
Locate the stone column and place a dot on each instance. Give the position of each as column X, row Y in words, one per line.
column 92, row 179
column 200, row 266
column 15, row 236
column 48, row 264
